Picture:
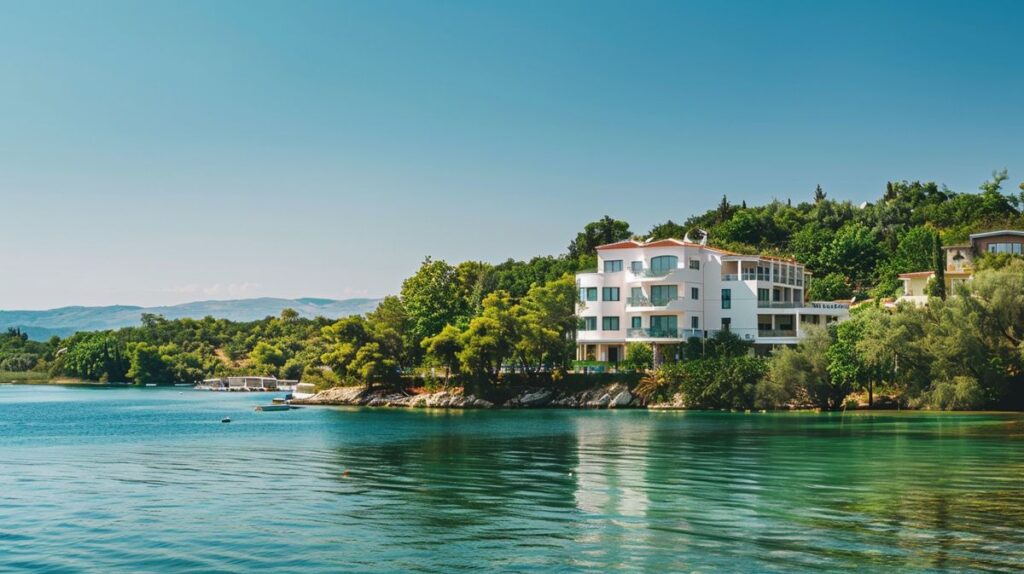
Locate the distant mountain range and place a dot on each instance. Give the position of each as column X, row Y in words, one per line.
column 41, row 325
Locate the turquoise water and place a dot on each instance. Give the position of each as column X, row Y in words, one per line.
column 149, row 480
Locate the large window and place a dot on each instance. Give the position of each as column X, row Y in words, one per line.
column 664, row 264
column 613, row 266
column 636, row 323
column 726, row 298
column 609, row 323
column 1015, row 248
column 588, row 293
column 663, row 294
column 664, row 326
column 694, row 293
column 588, row 324
column 609, row 293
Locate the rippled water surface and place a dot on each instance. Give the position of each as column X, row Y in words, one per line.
column 149, row 480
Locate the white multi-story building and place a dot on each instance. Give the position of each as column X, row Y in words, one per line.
column 669, row 291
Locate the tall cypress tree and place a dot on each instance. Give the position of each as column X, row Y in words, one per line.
column 939, row 261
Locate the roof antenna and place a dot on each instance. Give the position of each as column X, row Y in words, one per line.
column 703, row 237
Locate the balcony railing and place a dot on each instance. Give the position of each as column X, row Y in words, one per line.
column 648, row 272
column 779, row 304
column 650, row 301
column 776, row 333
column 662, row 333
column 730, row 277
column 751, row 276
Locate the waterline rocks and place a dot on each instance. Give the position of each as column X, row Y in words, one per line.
column 614, row 396
column 361, row 396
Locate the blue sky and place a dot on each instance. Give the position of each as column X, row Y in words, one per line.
column 158, row 152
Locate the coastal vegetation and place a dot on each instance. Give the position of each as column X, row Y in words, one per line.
column 482, row 325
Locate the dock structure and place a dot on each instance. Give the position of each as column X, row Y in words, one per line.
column 247, row 384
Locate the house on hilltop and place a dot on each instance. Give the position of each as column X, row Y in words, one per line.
column 959, row 263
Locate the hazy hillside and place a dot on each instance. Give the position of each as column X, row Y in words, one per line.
column 64, row 321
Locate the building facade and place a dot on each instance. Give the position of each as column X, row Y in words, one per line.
column 669, row 291
column 959, row 263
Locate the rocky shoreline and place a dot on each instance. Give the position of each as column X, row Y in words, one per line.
column 615, row 396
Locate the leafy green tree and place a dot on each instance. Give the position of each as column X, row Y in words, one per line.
column 805, row 370
column 147, row 364
column 488, row 341
column 444, row 348
column 831, row 287
column 392, row 328
column 667, row 230
column 601, row 232
column 546, row 325
column 854, row 253
column 807, row 246
column 639, row 357
column 431, row 298
column 269, row 358
column 372, row 365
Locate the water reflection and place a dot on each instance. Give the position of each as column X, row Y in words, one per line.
column 151, row 481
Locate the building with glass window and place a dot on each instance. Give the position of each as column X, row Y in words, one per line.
column 669, row 291
column 960, row 263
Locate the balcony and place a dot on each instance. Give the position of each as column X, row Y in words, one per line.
column 779, row 304
column 776, row 332
column 650, row 302
column 751, row 276
column 647, row 272
column 661, row 333
column 730, row 277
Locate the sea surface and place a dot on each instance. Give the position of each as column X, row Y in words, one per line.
column 150, row 480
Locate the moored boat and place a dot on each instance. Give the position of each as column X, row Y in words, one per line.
column 273, row 407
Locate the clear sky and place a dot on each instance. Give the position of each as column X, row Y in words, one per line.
column 158, row 152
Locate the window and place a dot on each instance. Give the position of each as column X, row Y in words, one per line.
column 636, row 295
column 763, row 296
column 609, row 323
column 588, row 324
column 636, row 323
column 695, row 264
column 662, row 294
column 726, row 298
column 636, row 267
column 609, row 293
column 591, row 294
column 663, row 264
column 664, row 326
column 1014, row 248
column 726, row 323
column 695, row 323
column 613, row 266
column 694, row 293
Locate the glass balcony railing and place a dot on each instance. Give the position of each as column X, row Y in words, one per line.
column 650, row 301
column 776, row 333
column 663, row 333
column 730, row 277
column 779, row 304
column 649, row 272
column 751, row 276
